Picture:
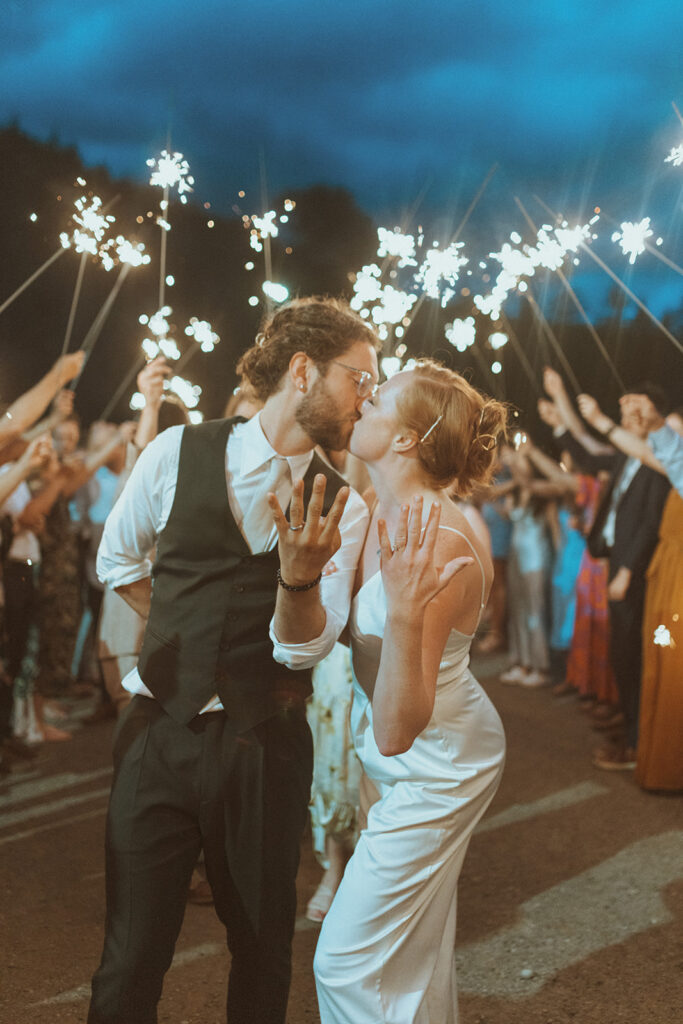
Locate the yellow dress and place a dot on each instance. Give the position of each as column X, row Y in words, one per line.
column 660, row 743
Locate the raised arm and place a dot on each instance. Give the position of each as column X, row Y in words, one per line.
column 621, row 438
column 150, row 383
column 88, row 466
column 422, row 604
column 30, row 406
column 36, row 455
column 554, row 386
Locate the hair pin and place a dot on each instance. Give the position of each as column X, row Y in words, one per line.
column 433, row 426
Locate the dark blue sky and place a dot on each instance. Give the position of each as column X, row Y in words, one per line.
column 571, row 99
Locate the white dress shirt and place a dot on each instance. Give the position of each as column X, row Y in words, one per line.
column 25, row 546
column 143, row 509
column 668, row 448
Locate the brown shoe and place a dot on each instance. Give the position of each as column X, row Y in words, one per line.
column 615, row 759
column 613, row 721
column 562, row 689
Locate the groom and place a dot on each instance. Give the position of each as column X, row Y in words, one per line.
column 214, row 752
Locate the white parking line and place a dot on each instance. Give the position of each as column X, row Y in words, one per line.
column 601, row 907
column 554, row 802
column 24, row 790
column 60, row 823
column 53, row 807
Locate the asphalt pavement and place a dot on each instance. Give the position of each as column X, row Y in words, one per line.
column 570, row 903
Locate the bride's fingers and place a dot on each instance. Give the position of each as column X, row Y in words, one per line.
column 401, row 538
column 452, row 568
column 385, row 548
column 431, row 531
column 415, row 524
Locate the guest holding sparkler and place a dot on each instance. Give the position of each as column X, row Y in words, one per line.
column 659, row 757
column 625, row 532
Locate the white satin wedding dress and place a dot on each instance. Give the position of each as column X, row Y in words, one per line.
column 386, row 948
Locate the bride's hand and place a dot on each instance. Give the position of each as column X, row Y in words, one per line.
column 309, row 540
column 410, row 575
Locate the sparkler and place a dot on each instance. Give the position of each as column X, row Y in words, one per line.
column 205, row 338
column 675, row 157
column 617, row 280
column 577, row 303
column 91, row 225
column 128, row 255
column 170, row 171
column 633, row 238
column 29, row 280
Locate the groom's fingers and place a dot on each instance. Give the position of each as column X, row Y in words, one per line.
column 333, row 517
column 315, row 505
column 296, row 505
column 278, row 515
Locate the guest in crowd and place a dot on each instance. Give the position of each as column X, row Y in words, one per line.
column 625, row 531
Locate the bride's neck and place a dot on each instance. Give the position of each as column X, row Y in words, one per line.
column 397, row 485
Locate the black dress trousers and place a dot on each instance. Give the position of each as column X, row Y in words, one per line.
column 244, row 800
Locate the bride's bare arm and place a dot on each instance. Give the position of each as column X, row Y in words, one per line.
column 420, row 615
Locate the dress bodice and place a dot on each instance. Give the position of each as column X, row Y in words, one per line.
column 366, row 627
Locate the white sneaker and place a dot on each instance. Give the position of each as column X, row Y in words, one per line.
column 515, row 674
column 535, row 679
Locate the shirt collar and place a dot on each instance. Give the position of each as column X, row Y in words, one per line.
column 257, row 450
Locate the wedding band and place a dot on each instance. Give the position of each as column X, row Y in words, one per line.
column 295, row 528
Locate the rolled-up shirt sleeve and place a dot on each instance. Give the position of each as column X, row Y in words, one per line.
column 336, row 588
column 667, row 446
column 140, row 514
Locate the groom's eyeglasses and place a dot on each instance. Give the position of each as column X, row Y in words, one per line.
column 365, row 383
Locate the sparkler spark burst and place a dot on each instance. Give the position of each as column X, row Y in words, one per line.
column 675, row 157
column 203, row 334
column 171, row 170
column 461, row 333
column 187, row 392
column 126, row 252
column 274, row 291
column 498, row 340
column 632, row 238
column 439, row 272
column 395, row 243
column 91, row 226
column 552, row 247
column 160, row 344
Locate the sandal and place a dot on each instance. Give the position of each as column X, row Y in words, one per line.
column 319, row 903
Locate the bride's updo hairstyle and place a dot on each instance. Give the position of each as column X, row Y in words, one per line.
column 322, row 328
column 458, row 427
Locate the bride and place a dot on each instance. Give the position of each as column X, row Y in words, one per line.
column 430, row 742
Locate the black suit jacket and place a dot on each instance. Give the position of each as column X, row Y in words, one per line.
column 638, row 513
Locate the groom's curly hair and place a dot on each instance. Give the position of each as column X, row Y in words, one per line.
column 323, row 328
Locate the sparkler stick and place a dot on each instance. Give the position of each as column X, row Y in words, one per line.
column 98, row 323
column 74, row 303
column 617, row 280
column 678, row 113
column 32, row 278
column 582, row 312
column 466, row 216
column 550, row 335
column 521, row 354
column 171, row 170
column 121, row 389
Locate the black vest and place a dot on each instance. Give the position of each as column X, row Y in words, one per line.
column 212, row 599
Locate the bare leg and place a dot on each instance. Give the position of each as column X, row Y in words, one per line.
column 338, row 854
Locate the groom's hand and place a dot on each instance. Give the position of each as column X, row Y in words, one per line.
column 309, row 540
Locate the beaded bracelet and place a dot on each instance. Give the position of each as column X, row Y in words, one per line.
column 304, row 586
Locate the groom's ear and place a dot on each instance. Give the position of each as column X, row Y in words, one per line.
column 299, row 371
column 404, row 442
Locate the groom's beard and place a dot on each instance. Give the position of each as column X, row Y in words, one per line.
column 318, row 414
